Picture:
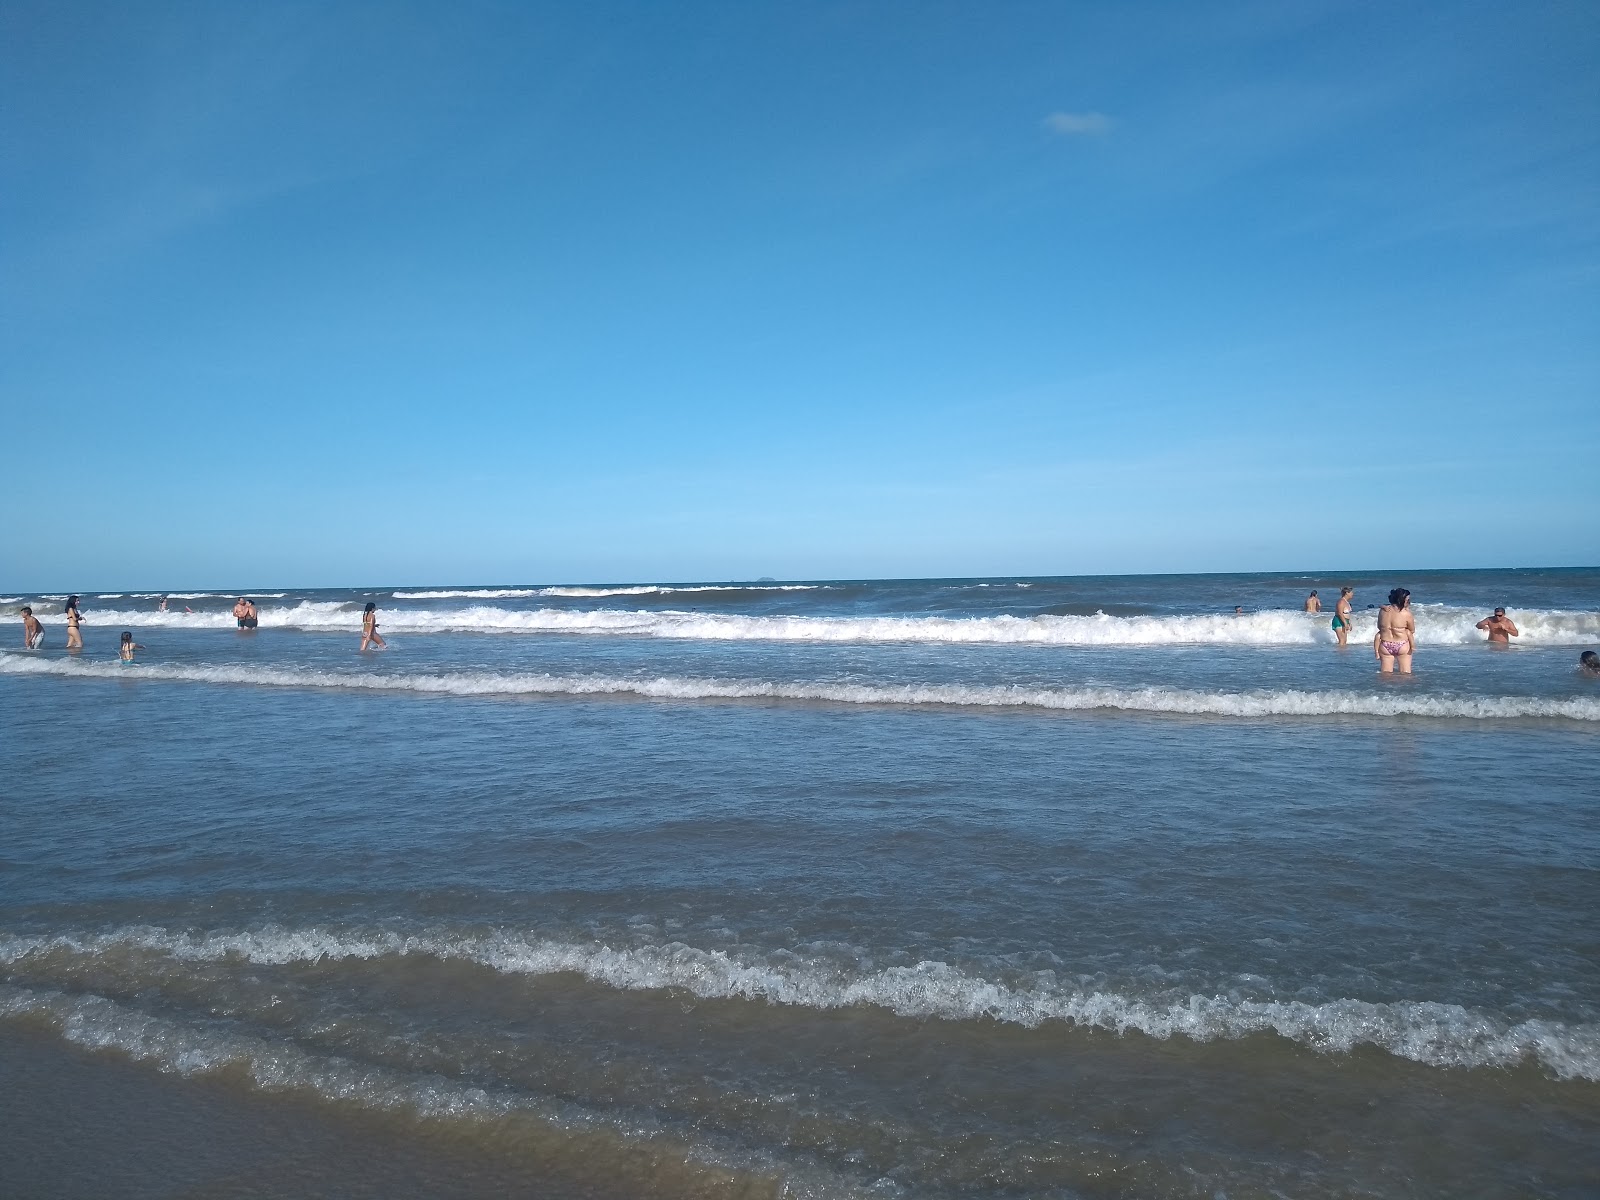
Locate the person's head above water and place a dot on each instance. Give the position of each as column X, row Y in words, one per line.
column 1400, row 597
column 1590, row 661
column 1347, row 591
column 371, row 607
column 26, row 611
column 126, row 637
column 1499, row 612
column 1313, row 591
column 72, row 603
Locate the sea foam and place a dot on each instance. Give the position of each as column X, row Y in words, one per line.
column 1436, row 1034
column 1436, row 625
column 1263, row 702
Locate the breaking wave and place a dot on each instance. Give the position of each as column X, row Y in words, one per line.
column 1436, row 625
column 642, row 589
column 1264, row 702
column 475, row 593
column 1439, row 1035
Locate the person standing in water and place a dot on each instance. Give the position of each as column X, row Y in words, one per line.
column 32, row 630
column 1342, row 615
column 128, row 647
column 74, row 620
column 1396, row 640
column 162, row 607
column 1500, row 628
column 369, row 628
column 1313, row 604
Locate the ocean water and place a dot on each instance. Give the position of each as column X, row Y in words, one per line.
column 952, row 888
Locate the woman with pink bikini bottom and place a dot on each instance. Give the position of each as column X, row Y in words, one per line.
column 1396, row 639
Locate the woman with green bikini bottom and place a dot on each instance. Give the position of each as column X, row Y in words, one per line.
column 1342, row 614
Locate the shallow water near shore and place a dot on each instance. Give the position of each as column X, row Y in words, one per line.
column 944, row 888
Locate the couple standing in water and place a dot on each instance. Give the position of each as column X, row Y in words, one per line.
column 33, row 631
column 1342, row 614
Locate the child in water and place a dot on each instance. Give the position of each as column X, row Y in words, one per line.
column 128, row 647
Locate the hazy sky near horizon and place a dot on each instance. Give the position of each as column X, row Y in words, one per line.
column 342, row 293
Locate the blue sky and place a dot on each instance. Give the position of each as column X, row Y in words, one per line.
column 320, row 294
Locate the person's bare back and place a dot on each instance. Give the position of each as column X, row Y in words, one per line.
column 1397, row 634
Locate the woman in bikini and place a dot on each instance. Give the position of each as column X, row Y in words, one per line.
column 369, row 627
column 74, row 617
column 1397, row 634
column 1342, row 615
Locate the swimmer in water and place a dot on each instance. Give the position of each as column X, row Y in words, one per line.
column 74, row 620
column 1396, row 640
column 1342, row 616
column 128, row 647
column 1313, row 604
column 1499, row 628
column 32, row 630
column 1589, row 663
column 369, row 628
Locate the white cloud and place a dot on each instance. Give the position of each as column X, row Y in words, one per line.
column 1080, row 124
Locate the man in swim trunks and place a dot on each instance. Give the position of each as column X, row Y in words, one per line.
column 1397, row 634
column 1341, row 616
column 1499, row 628
column 32, row 631
column 241, row 610
column 1313, row 604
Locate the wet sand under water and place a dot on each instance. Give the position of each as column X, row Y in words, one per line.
column 90, row 1125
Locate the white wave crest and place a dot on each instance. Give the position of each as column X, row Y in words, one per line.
column 661, row 589
column 1440, row 1035
column 1438, row 626
column 470, row 593
column 1286, row 702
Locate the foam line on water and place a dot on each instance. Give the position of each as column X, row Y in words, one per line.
column 575, row 591
column 276, row 1065
column 1437, row 625
column 1265, row 702
column 1435, row 1034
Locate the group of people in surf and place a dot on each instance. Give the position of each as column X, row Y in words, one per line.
column 33, row 631
column 244, row 611
column 1393, row 644
column 1396, row 638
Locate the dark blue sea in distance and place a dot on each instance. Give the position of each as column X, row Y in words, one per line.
column 1079, row 887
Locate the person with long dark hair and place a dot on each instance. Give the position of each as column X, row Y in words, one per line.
column 1396, row 640
column 369, row 628
column 74, row 619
